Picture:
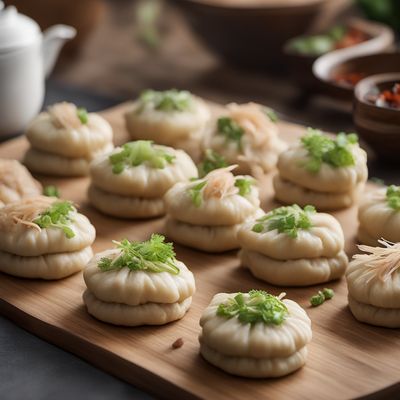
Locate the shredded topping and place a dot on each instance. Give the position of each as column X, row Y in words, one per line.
column 24, row 211
column 16, row 181
column 381, row 262
column 67, row 115
column 255, row 123
column 219, row 183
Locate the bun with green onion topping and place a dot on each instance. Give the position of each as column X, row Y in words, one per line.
column 255, row 334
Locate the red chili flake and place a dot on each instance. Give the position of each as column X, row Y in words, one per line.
column 178, row 343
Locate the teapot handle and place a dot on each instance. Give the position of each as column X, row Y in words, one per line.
column 53, row 40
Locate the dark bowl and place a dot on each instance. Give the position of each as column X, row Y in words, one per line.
column 378, row 126
column 251, row 35
column 301, row 66
column 367, row 57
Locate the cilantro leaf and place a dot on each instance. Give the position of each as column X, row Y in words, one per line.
column 253, row 307
column 321, row 149
column 212, row 160
column 393, row 197
column 153, row 255
column 288, row 220
column 137, row 153
column 230, row 129
column 168, row 100
column 57, row 216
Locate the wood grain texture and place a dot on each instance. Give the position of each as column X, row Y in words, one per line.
column 347, row 359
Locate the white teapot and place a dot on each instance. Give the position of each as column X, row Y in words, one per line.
column 26, row 58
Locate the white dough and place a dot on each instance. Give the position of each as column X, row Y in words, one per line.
column 16, row 182
column 386, row 317
column 287, row 192
column 52, row 164
column 137, row 287
column 301, row 272
column 27, row 241
column 233, row 338
column 212, row 239
column 143, row 180
column 82, row 141
column 260, row 144
column 324, row 239
column 228, row 210
column 328, row 178
column 254, row 350
column 48, row 266
column 249, row 367
column 125, row 206
column 144, row 314
column 366, row 287
column 167, row 127
column 377, row 219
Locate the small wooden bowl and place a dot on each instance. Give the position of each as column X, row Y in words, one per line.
column 359, row 58
column 301, row 66
column 250, row 34
column 378, row 126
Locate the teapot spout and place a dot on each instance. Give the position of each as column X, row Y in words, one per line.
column 53, row 40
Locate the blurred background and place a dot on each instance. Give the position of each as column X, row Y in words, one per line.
column 224, row 50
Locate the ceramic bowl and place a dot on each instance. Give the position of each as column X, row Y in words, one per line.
column 378, row 126
column 250, row 35
column 301, row 66
column 361, row 58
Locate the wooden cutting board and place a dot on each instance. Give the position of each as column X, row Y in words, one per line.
column 346, row 359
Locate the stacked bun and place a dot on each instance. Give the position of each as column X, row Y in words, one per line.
column 132, row 180
column 42, row 237
column 379, row 216
column 138, row 283
column 64, row 139
column 254, row 334
column 206, row 213
column 373, row 281
column 173, row 117
column 329, row 173
column 290, row 246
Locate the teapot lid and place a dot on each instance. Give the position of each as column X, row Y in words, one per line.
column 16, row 30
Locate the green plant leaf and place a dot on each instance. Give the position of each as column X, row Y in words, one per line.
column 167, row 101
column 393, row 197
column 83, row 115
column 336, row 152
column 288, row 220
column 57, row 216
column 253, row 307
column 137, row 153
column 153, row 255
